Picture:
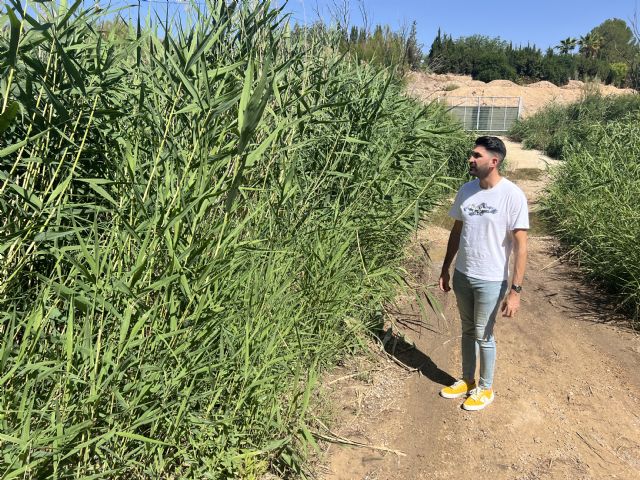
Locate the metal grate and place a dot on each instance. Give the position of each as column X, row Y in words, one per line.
column 486, row 114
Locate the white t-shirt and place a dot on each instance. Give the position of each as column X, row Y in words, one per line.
column 489, row 217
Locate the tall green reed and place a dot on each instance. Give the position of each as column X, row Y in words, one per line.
column 558, row 127
column 591, row 205
column 197, row 218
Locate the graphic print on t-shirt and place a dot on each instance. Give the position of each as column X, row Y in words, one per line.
column 480, row 210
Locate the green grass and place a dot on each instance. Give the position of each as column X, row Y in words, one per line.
column 591, row 203
column 592, row 206
column 197, row 219
column 558, row 127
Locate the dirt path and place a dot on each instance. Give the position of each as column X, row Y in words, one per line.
column 567, row 381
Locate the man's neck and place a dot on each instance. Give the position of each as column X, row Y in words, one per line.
column 490, row 180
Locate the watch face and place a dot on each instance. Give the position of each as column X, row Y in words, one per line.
column 517, row 288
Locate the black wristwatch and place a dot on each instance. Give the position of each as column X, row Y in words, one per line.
column 516, row 288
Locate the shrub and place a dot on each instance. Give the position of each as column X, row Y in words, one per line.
column 618, row 73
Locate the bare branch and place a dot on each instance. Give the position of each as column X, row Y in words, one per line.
column 635, row 25
column 364, row 13
column 340, row 13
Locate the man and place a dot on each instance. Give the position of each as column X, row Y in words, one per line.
column 491, row 220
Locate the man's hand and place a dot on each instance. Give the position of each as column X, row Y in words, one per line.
column 452, row 249
column 444, row 280
column 511, row 304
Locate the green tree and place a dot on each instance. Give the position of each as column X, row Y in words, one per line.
column 354, row 35
column 436, row 46
column 527, row 62
column 567, row 45
column 593, row 68
column 590, row 44
column 493, row 66
column 617, row 43
column 558, row 69
column 413, row 52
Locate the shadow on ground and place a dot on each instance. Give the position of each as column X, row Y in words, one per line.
column 589, row 302
column 412, row 357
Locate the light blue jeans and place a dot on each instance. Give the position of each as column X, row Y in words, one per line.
column 478, row 303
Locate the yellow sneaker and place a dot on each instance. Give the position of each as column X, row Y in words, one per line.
column 478, row 399
column 458, row 389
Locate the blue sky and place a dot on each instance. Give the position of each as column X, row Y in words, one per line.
column 542, row 22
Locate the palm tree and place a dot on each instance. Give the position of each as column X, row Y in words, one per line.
column 590, row 44
column 567, row 45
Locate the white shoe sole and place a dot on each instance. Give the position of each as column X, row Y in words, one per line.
column 479, row 407
column 454, row 395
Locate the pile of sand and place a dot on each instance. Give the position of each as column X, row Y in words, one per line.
column 502, row 83
column 541, row 84
column 573, row 84
column 429, row 87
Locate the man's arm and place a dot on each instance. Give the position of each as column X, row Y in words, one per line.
column 452, row 249
column 511, row 304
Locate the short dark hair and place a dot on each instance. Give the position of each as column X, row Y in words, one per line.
column 493, row 145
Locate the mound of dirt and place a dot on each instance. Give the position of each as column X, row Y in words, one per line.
column 430, row 87
column 502, row 83
column 542, row 84
column 573, row 84
column 611, row 90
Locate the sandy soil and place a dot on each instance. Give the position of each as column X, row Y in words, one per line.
column 429, row 87
column 567, row 380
